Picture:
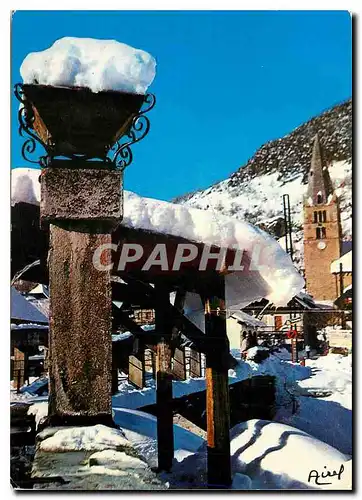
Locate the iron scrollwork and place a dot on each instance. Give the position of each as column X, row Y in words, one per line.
column 121, row 154
column 138, row 129
column 26, row 119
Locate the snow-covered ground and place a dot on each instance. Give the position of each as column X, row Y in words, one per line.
column 265, row 455
column 270, row 456
column 294, row 451
column 140, row 429
column 287, row 374
column 329, row 416
column 91, row 458
column 130, row 397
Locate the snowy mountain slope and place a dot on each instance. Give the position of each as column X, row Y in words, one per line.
column 254, row 193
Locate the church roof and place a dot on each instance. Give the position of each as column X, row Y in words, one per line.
column 247, row 319
column 319, row 183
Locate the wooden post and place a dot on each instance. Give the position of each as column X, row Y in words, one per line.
column 20, row 368
column 46, row 360
column 195, row 364
column 153, row 358
column 217, row 391
column 179, row 364
column 114, row 371
column 165, row 439
column 136, row 370
column 341, row 288
column 294, row 349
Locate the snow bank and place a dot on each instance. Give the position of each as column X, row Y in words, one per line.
column 271, row 273
column 270, row 452
column 140, row 429
column 86, row 62
column 112, row 459
column 335, row 373
column 329, row 417
column 97, row 438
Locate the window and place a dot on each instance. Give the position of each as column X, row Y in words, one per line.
column 278, row 322
column 320, row 233
column 319, row 216
column 319, row 198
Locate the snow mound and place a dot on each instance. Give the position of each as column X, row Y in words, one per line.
column 241, row 482
column 270, row 456
column 86, row 62
column 271, row 273
column 271, row 452
column 257, row 353
column 94, row 438
column 114, row 459
column 140, row 428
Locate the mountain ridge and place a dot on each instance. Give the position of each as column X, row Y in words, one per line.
column 336, row 145
column 254, row 191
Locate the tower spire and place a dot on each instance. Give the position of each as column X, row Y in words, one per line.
column 319, row 183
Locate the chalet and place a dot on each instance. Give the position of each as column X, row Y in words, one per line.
column 29, row 331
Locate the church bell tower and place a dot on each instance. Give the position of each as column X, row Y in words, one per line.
column 322, row 229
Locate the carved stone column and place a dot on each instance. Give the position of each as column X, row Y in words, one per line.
column 83, row 205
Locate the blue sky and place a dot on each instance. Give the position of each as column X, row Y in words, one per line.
column 226, row 82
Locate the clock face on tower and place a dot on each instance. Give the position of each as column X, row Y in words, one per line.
column 321, row 245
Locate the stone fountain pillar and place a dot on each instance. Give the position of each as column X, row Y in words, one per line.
column 83, row 205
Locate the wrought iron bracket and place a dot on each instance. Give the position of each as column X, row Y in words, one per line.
column 26, row 119
column 122, row 154
column 116, row 156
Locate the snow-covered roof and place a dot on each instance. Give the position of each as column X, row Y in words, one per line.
column 324, row 304
column 247, row 319
column 305, row 300
column 41, row 304
column 28, row 326
column 39, row 290
column 23, row 310
column 95, row 64
column 271, row 274
column 345, row 260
